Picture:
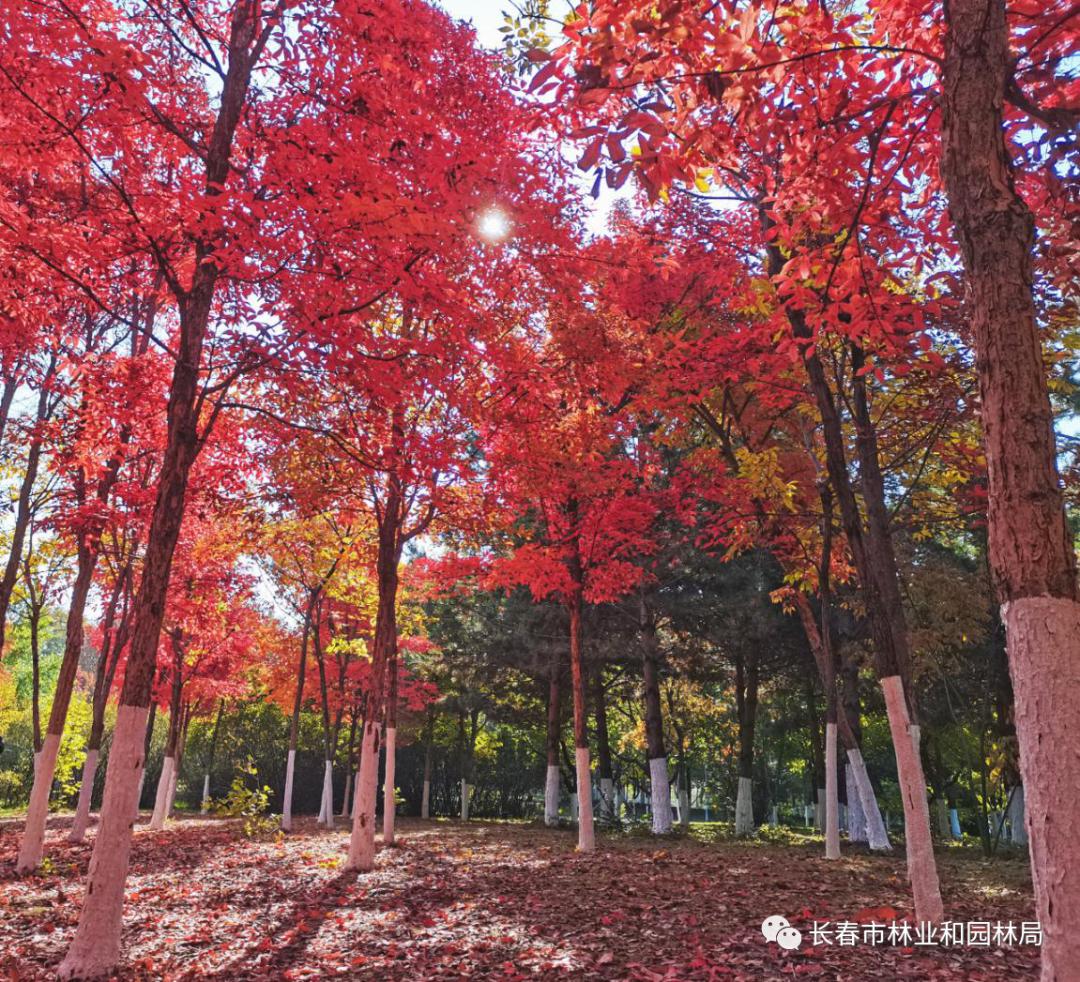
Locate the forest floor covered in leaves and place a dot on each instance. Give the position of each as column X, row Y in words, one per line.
column 496, row 900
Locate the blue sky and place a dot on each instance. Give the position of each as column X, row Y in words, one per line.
column 486, row 16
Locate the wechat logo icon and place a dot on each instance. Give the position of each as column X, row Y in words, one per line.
column 777, row 928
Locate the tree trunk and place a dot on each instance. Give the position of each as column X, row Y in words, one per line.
column 294, row 724
column 429, row 739
column 746, row 698
column 586, row 839
column 654, row 724
column 554, row 730
column 1030, row 543
column 204, row 806
column 113, row 642
column 172, row 743
column 362, row 840
column 603, row 749
column 96, row 946
column 390, row 778
column 24, row 505
column 350, row 752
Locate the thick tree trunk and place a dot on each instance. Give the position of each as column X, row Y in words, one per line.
column 390, row 777
column 1030, row 543
column 660, row 788
column 362, row 840
column 554, row 730
column 96, row 946
column 746, row 699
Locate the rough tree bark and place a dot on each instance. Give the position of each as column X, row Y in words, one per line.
column 1030, row 543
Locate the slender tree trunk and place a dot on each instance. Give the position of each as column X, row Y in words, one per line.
column 33, row 839
column 35, row 673
column 113, row 641
column 148, row 738
column 554, row 731
column 172, row 744
column 429, row 739
column 326, row 809
column 654, row 723
column 294, row 724
column 468, row 765
column 24, row 505
column 204, row 807
column 350, row 750
column 586, row 840
column 1030, row 542
column 603, row 749
column 362, row 840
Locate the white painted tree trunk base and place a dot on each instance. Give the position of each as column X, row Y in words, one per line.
column 466, row 799
column 660, row 793
column 684, row 808
column 832, row 795
column 922, row 866
column 326, row 810
column 1017, row 829
column 95, row 949
column 744, row 807
column 1043, row 638
column 362, row 839
column 174, row 778
column 390, row 787
column 856, row 821
column 872, row 823
column 586, row 835
column 551, row 796
column 286, row 802
column 204, row 806
column 37, row 815
column 86, row 795
column 161, row 797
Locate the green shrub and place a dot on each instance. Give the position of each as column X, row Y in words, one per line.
column 247, row 803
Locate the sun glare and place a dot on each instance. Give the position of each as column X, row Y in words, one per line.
column 494, row 225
